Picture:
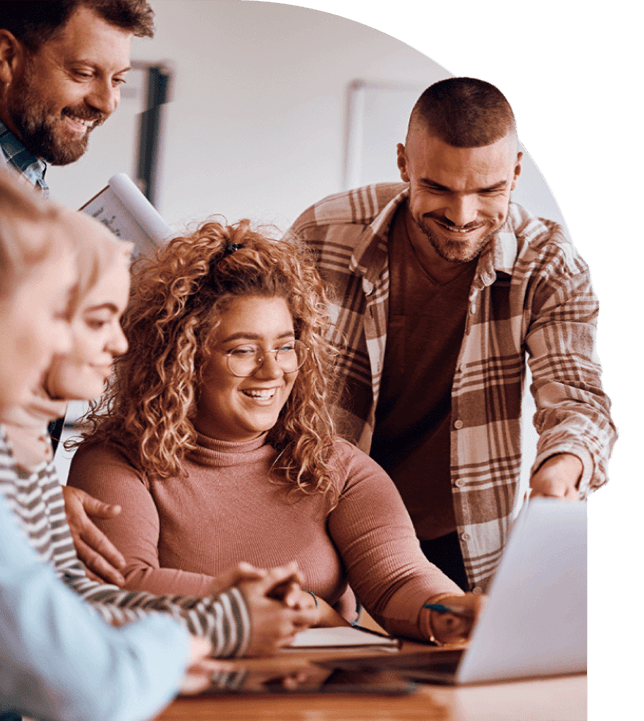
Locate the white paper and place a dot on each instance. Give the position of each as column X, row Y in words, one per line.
column 123, row 208
column 341, row 636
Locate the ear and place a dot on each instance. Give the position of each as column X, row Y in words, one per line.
column 402, row 162
column 517, row 171
column 11, row 56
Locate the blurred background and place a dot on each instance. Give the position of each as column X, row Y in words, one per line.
column 270, row 107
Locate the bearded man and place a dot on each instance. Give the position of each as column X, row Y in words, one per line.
column 62, row 64
column 443, row 288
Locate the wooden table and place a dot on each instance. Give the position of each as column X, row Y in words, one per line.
column 551, row 699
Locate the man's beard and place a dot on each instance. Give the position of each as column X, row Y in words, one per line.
column 450, row 250
column 42, row 133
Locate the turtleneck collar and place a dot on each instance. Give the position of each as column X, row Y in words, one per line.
column 213, row 452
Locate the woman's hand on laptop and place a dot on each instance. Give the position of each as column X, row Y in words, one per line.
column 452, row 619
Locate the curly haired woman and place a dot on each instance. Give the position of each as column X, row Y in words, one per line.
column 216, row 440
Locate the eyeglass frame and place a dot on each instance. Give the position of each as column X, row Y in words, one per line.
column 263, row 355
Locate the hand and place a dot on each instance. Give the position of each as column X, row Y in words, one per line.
column 101, row 558
column 294, row 596
column 452, row 629
column 273, row 623
column 557, row 477
column 201, row 667
column 241, row 572
column 329, row 617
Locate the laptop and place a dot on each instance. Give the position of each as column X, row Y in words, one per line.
column 534, row 622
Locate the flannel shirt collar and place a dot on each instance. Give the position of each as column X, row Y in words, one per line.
column 370, row 254
column 31, row 166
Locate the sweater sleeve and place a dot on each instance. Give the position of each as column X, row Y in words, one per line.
column 60, row 661
column 375, row 537
column 106, row 474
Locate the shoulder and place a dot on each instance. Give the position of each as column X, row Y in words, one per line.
column 93, row 462
column 360, row 206
column 353, row 465
column 543, row 243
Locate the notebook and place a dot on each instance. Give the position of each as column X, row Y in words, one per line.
column 534, row 623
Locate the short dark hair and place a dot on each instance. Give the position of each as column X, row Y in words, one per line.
column 463, row 112
column 34, row 22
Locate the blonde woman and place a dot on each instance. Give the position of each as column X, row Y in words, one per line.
column 57, row 658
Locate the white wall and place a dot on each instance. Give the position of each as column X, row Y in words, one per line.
column 257, row 126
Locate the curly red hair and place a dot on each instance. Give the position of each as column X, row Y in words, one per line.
column 176, row 303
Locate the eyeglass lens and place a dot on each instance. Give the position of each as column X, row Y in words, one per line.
column 247, row 359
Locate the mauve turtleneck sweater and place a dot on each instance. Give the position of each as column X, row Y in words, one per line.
column 179, row 533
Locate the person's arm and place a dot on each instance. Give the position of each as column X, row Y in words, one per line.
column 573, row 421
column 102, row 559
column 248, row 618
column 109, row 478
column 57, row 657
column 385, row 566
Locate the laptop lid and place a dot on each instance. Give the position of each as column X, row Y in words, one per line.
column 535, row 621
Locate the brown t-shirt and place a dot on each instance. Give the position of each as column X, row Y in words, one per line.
column 424, row 335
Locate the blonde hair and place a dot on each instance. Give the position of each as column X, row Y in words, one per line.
column 176, row 304
column 96, row 249
column 24, row 223
column 32, row 229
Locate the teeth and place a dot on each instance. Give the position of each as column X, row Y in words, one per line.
column 262, row 394
column 452, row 229
column 83, row 121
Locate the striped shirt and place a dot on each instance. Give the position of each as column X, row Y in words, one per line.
column 531, row 298
column 17, row 156
column 36, row 500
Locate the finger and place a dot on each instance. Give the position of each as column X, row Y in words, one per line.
column 96, row 564
column 94, row 507
column 306, row 617
column 95, row 539
column 292, row 594
column 281, row 575
column 242, row 572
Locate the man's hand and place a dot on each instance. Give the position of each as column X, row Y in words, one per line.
column 102, row 559
column 274, row 624
column 557, row 477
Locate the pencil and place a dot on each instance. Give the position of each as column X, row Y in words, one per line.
column 456, row 610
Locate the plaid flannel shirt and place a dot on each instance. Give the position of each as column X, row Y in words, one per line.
column 531, row 298
column 14, row 154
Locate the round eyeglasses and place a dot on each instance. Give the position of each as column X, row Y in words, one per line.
column 245, row 360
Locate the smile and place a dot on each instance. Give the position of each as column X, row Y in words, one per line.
column 263, row 394
column 460, row 231
column 86, row 124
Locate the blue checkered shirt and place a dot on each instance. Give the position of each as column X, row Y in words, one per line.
column 29, row 165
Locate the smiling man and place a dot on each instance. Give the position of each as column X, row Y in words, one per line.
column 443, row 288
column 61, row 67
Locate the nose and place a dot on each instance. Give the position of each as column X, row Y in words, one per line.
column 62, row 339
column 270, row 368
column 104, row 97
column 118, row 342
column 462, row 209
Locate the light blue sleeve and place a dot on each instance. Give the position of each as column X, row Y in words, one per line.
column 59, row 661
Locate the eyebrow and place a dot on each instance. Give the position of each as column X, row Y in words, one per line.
column 95, row 65
column 496, row 186
column 102, row 306
column 255, row 336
